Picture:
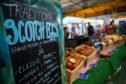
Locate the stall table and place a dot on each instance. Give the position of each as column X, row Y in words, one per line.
column 111, row 69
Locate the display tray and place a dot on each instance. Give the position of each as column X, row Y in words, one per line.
column 73, row 69
column 112, row 41
column 86, row 52
column 107, row 46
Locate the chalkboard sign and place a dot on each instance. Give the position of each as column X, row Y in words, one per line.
column 32, row 39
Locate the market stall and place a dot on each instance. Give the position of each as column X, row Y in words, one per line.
column 105, row 63
column 107, row 70
column 85, row 66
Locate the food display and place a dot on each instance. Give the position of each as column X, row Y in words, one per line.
column 74, row 64
column 84, row 50
column 113, row 38
column 72, row 61
column 73, row 51
column 121, row 40
column 112, row 41
column 82, row 55
column 108, row 40
column 117, row 37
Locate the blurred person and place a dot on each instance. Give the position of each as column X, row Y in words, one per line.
column 112, row 27
column 74, row 31
column 66, row 34
column 105, row 28
column 98, row 31
column 91, row 32
column 102, row 34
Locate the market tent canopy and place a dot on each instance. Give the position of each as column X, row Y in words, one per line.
column 101, row 9
column 69, row 6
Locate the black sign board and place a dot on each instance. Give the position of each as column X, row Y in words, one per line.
column 32, row 37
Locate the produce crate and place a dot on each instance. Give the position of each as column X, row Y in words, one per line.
column 72, row 75
column 91, row 52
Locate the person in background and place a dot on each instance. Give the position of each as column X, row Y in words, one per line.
column 66, row 34
column 91, row 32
column 112, row 27
column 98, row 45
column 105, row 28
column 102, row 34
column 98, row 31
column 73, row 31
